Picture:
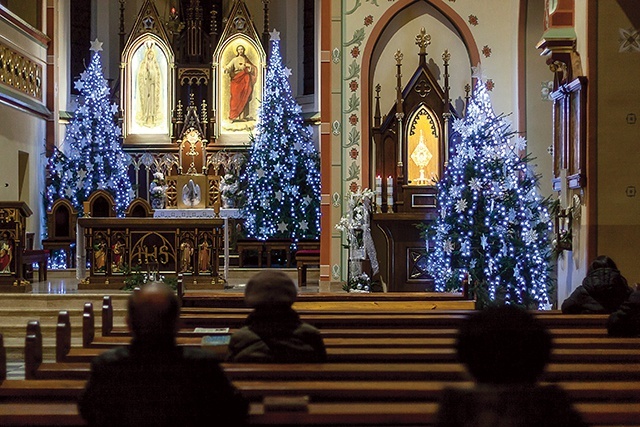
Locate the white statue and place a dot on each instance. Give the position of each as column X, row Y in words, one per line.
column 191, row 194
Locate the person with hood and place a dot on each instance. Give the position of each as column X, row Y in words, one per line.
column 625, row 322
column 273, row 332
column 603, row 290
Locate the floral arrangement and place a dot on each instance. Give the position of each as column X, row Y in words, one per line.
column 135, row 278
column 358, row 283
column 355, row 223
column 230, row 189
column 158, row 188
column 356, row 219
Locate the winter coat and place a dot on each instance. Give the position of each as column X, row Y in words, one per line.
column 276, row 335
column 602, row 291
column 160, row 385
column 625, row 322
column 508, row 405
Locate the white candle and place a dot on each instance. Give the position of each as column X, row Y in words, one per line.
column 389, row 194
column 378, row 193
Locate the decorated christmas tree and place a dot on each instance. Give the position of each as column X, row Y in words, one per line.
column 91, row 156
column 493, row 227
column 282, row 174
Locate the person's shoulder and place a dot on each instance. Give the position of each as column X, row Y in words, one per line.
column 195, row 354
column 114, row 355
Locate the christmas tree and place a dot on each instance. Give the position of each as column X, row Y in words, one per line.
column 93, row 158
column 493, row 227
column 282, row 174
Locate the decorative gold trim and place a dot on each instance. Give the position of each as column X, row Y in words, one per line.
column 20, row 72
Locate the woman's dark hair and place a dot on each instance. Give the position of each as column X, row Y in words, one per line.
column 602, row 261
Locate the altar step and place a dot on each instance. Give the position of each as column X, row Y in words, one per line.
column 16, row 310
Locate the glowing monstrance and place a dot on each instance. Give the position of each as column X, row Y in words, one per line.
column 421, row 156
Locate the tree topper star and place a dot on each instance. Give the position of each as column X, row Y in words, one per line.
column 275, row 35
column 96, row 45
column 478, row 72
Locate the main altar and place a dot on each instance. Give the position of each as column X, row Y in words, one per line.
column 115, row 247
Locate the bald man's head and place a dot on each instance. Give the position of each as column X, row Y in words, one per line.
column 153, row 312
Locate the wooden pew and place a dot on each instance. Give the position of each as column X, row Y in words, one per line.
column 603, row 350
column 319, row 414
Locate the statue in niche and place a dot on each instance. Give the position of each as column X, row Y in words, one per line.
column 149, row 113
column 186, row 252
column 191, row 194
column 100, row 256
column 204, row 255
column 243, row 77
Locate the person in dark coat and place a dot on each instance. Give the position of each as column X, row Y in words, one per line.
column 273, row 332
column 505, row 349
column 625, row 322
column 602, row 291
column 154, row 382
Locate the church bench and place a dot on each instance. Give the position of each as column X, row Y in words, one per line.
column 383, row 370
column 229, row 300
column 41, row 257
column 419, row 372
column 326, row 391
column 318, row 414
column 304, row 259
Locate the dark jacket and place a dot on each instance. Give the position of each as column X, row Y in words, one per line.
column 625, row 322
column 160, row 386
column 276, row 335
column 507, row 406
column 602, row 291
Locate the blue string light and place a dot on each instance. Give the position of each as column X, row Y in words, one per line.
column 93, row 158
column 493, row 226
column 282, row 173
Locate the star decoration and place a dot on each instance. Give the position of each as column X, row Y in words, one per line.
column 464, row 247
column 520, row 143
column 260, row 172
column 114, row 108
column 275, row 35
column 478, row 72
column 484, row 242
column 96, row 45
column 78, row 85
column 82, row 174
column 475, row 184
column 307, row 200
column 530, row 236
column 461, row 205
column 279, row 195
column 303, row 225
column 287, row 72
column 448, row 247
column 282, row 227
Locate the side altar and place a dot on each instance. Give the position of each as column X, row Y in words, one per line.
column 116, row 246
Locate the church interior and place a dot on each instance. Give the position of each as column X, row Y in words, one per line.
column 346, row 77
column 137, row 135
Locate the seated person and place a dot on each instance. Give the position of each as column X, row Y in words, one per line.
column 625, row 322
column 505, row 349
column 602, row 290
column 274, row 332
column 154, row 382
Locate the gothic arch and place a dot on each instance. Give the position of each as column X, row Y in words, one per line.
column 379, row 29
